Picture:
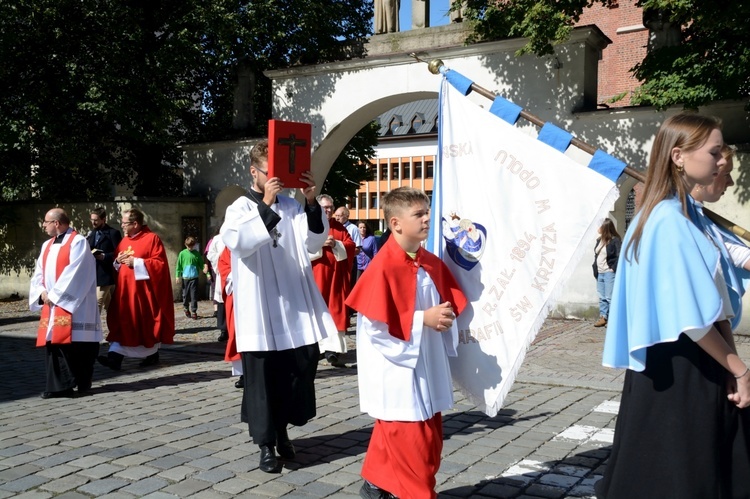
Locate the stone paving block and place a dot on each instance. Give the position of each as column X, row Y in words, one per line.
column 195, row 452
column 299, row 478
column 206, row 463
column 88, row 461
column 34, row 495
column 145, row 486
column 132, row 460
column 161, row 495
column 540, row 490
column 18, row 472
column 214, row 476
column 16, row 450
column 137, row 472
column 101, row 471
column 497, row 490
column 65, row 484
column 168, row 462
column 24, row 483
column 233, row 486
column 161, row 451
column 101, row 487
column 117, row 494
column 186, row 487
column 271, row 489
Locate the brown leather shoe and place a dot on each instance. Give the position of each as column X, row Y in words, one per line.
column 601, row 322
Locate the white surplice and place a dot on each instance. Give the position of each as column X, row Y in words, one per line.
column 212, row 254
column 406, row 380
column 74, row 290
column 277, row 305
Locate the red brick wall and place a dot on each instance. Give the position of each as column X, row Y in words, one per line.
column 626, row 50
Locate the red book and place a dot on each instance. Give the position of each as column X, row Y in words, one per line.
column 289, row 148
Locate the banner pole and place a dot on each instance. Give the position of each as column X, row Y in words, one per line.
column 436, row 66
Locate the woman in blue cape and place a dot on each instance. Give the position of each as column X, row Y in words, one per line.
column 682, row 427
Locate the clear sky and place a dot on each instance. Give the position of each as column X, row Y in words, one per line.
column 438, row 13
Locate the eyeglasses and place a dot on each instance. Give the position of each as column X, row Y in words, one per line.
column 126, row 223
column 47, row 222
column 261, row 171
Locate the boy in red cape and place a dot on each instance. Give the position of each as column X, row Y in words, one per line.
column 406, row 303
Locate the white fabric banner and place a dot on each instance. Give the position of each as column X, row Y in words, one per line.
column 511, row 218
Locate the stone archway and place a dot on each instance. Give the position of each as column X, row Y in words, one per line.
column 338, row 99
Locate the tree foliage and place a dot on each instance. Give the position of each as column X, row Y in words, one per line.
column 97, row 92
column 712, row 61
column 343, row 179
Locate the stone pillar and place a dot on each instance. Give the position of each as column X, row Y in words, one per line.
column 420, row 14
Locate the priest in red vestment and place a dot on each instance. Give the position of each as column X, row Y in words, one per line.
column 332, row 270
column 141, row 314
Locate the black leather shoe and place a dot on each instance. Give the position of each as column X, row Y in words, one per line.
column 370, row 491
column 84, row 388
column 333, row 359
column 69, row 393
column 150, row 360
column 240, row 383
column 268, row 461
column 286, row 450
column 223, row 337
column 113, row 360
column 283, row 445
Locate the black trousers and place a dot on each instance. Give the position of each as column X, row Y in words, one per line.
column 279, row 390
column 221, row 318
column 70, row 365
column 190, row 294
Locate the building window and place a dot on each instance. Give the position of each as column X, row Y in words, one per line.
column 407, row 171
column 416, row 122
column 429, row 167
column 362, row 201
column 417, row 169
column 394, row 170
column 394, row 125
column 383, row 171
column 374, row 200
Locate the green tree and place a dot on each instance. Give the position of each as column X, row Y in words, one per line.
column 711, row 62
column 101, row 92
column 352, row 167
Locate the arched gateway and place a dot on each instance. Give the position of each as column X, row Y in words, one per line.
column 339, row 98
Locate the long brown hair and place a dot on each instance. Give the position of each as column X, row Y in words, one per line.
column 664, row 179
column 608, row 231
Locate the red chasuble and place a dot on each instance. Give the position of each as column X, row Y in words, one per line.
column 334, row 278
column 225, row 270
column 387, row 291
column 142, row 312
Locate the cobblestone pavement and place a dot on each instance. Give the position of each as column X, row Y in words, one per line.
column 173, row 430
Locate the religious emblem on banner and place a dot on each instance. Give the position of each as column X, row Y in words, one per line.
column 289, row 149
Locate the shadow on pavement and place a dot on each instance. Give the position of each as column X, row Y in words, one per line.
column 573, row 476
column 19, row 320
column 22, row 367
